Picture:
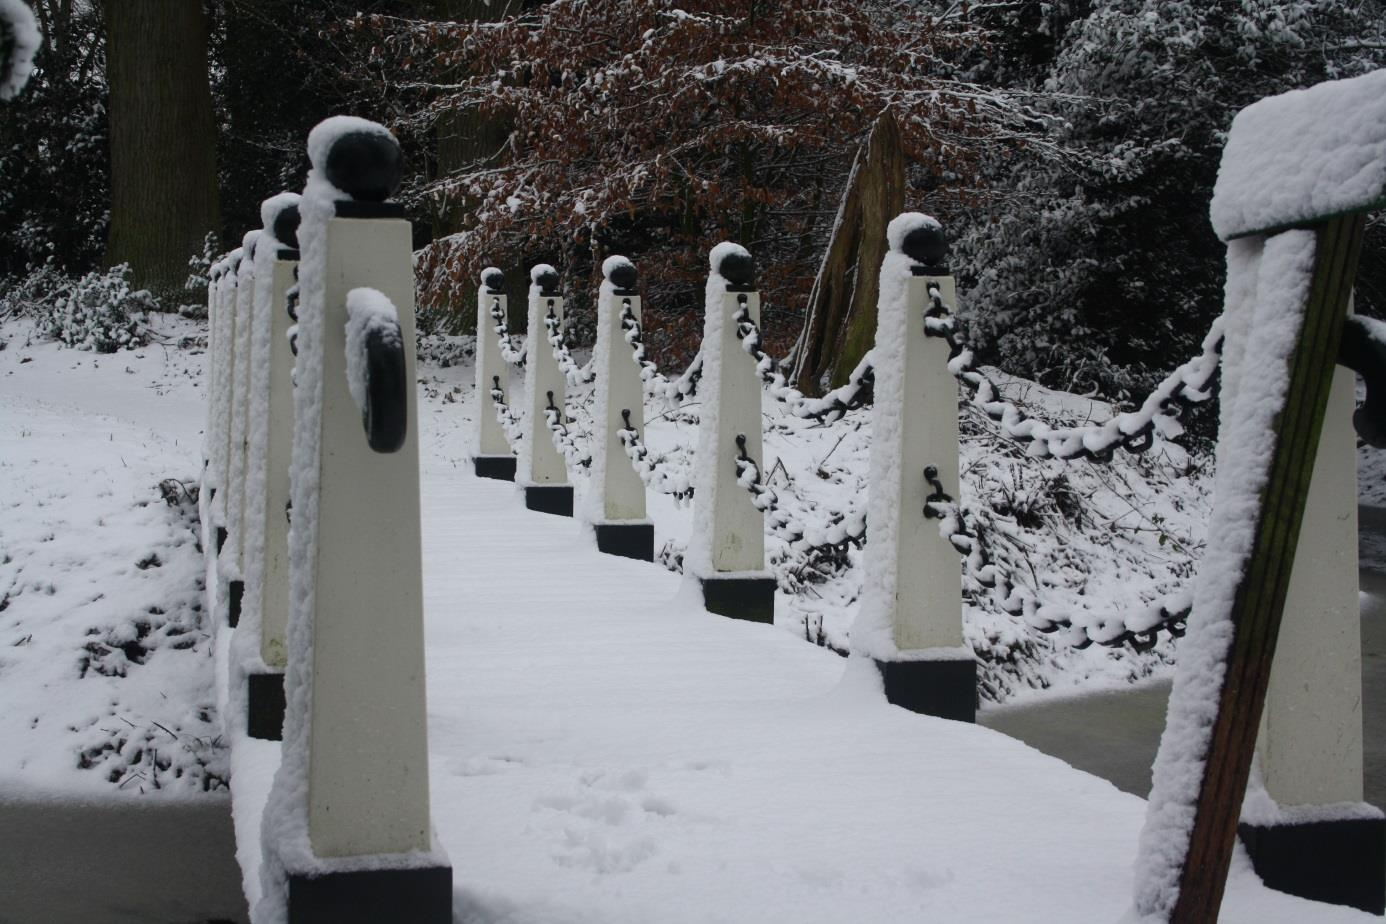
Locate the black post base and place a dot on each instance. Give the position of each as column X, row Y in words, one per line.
column 943, row 688
column 556, row 499
column 419, row 896
column 265, row 706
column 221, row 538
column 752, row 599
column 501, row 468
column 629, row 540
column 235, row 592
column 1339, row 862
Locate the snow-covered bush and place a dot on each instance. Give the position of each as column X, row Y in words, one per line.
column 98, row 312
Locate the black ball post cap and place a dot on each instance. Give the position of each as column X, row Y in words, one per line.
column 366, row 165
column 548, row 282
column 623, row 276
column 926, row 244
column 286, row 226
column 494, row 280
column 739, row 269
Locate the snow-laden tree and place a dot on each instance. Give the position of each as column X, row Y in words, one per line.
column 1104, row 272
column 656, row 129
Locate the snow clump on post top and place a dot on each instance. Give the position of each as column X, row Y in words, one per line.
column 279, row 215
column 620, row 272
column 357, row 157
column 494, row 280
column 1302, row 156
column 19, row 43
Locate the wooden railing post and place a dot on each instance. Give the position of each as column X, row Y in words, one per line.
column 259, row 651
column 616, row 495
column 726, row 551
column 1298, row 174
column 543, row 472
column 493, row 457
column 234, row 557
column 910, row 621
column 354, row 776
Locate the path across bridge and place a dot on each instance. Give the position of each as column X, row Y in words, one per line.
column 603, row 749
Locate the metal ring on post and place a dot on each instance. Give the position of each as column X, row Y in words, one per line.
column 385, row 415
column 1366, row 356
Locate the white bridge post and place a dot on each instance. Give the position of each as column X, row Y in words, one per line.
column 616, row 499
column 223, row 364
column 355, row 731
column 726, row 551
column 543, row 472
column 234, row 558
column 1310, row 743
column 493, row 458
column 911, row 617
column 271, row 431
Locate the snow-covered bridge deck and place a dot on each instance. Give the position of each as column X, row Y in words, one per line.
column 602, row 749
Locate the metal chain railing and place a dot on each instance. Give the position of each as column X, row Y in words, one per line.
column 832, row 406
column 1140, row 630
column 656, row 384
column 647, row 465
column 807, row 548
column 1133, row 431
column 576, row 375
column 510, row 352
column 563, row 438
column 514, row 431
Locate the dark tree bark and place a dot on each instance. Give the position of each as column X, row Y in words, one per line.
column 841, row 322
column 162, row 140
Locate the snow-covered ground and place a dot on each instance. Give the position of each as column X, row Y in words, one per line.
column 601, row 748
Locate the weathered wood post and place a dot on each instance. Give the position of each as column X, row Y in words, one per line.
column 270, row 425
column 726, row 550
column 347, row 827
column 543, row 472
column 616, row 495
column 240, row 394
column 493, row 457
column 910, row 620
column 1298, row 172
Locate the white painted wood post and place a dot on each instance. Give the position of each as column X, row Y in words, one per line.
column 270, row 428
column 493, row 458
column 233, row 558
column 223, row 361
column 543, row 472
column 726, row 551
column 616, row 495
column 355, row 731
column 911, row 617
column 1310, row 744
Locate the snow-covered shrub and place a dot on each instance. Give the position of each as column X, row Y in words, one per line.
column 98, row 312
column 199, row 269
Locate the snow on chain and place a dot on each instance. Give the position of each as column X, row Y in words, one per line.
column 656, row 384
column 575, row 374
column 511, row 348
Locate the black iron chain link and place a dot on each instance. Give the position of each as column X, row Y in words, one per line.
column 832, row 406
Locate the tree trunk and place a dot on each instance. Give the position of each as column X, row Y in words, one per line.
column 162, row 140
column 841, row 320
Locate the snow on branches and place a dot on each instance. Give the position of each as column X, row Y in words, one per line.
column 652, row 128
